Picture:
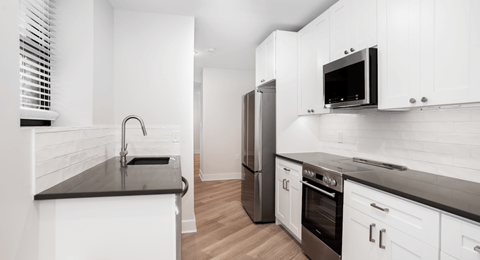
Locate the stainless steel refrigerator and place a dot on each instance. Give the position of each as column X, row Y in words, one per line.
column 258, row 154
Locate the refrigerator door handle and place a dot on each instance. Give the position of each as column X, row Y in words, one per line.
column 258, row 131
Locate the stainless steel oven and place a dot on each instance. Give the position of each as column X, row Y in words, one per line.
column 322, row 213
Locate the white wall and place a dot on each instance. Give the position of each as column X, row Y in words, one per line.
column 103, row 88
column 222, row 103
column 72, row 83
column 153, row 77
column 197, row 116
column 83, row 80
column 19, row 213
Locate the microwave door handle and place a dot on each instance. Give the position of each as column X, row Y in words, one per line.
column 317, row 189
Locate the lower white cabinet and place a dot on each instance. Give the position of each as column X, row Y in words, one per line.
column 288, row 195
column 460, row 239
column 368, row 238
column 384, row 232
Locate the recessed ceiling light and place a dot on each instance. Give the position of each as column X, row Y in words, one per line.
column 210, row 49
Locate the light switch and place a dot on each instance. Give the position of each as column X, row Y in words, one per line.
column 175, row 136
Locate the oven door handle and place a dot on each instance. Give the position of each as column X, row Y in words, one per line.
column 317, row 189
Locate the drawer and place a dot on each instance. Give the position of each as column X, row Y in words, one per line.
column 459, row 238
column 409, row 217
column 293, row 171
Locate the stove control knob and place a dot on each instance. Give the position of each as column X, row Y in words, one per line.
column 312, row 174
column 333, row 182
column 327, row 180
column 305, row 172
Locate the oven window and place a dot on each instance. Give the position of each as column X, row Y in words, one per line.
column 320, row 211
column 345, row 84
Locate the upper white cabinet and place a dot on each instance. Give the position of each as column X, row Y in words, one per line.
column 288, row 196
column 353, row 26
column 428, row 53
column 313, row 53
column 265, row 61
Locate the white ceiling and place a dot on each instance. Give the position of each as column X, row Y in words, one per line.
column 233, row 27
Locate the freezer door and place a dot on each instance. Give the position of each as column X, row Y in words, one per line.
column 249, row 193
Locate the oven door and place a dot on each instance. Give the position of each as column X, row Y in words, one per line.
column 322, row 213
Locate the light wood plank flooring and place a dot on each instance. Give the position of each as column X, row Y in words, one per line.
column 224, row 230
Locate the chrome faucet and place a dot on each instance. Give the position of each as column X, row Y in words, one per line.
column 123, row 149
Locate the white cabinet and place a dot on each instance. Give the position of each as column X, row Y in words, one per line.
column 428, row 53
column 288, row 197
column 313, row 53
column 460, row 239
column 353, row 26
column 382, row 226
column 265, row 55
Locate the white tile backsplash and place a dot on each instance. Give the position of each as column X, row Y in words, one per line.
column 443, row 141
column 63, row 152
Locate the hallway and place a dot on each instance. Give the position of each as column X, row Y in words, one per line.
column 225, row 231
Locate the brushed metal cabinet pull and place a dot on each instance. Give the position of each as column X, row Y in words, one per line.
column 377, row 207
column 477, row 249
column 424, row 99
column 286, row 169
column 412, row 100
column 371, row 231
column 283, row 184
column 381, row 238
column 287, row 185
column 346, row 52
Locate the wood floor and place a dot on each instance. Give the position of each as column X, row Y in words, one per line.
column 225, row 231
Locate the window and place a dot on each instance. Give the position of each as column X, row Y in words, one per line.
column 36, row 57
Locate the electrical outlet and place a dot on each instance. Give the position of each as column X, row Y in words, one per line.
column 175, row 136
column 340, row 137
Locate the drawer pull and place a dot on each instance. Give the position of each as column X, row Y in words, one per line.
column 477, row 248
column 380, row 244
column 286, row 169
column 377, row 207
column 371, row 231
column 283, row 184
column 286, row 186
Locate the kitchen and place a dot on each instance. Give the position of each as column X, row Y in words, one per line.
column 443, row 141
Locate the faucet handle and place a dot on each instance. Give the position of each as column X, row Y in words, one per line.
column 126, row 145
column 123, row 153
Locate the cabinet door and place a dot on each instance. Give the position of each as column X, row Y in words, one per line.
column 400, row 246
column 340, row 42
column 357, row 243
column 270, row 58
column 363, row 24
column 405, row 52
column 456, row 29
column 294, row 189
column 313, row 53
column 281, row 196
column 260, row 61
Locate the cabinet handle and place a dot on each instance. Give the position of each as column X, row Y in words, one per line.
column 381, row 238
column 346, row 52
column 377, row 207
column 313, row 110
column 352, row 49
column 286, row 169
column 371, row 231
column 424, row 99
column 262, row 80
column 283, row 186
column 309, row 111
column 287, row 186
column 477, row 249
column 412, row 100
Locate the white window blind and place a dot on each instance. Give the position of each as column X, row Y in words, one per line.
column 36, row 57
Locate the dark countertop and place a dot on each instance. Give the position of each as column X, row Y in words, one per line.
column 452, row 195
column 110, row 179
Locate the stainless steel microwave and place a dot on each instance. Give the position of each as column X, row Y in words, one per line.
column 351, row 81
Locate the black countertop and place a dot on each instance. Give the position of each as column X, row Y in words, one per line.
column 452, row 195
column 110, row 179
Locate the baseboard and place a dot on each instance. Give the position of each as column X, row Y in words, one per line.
column 200, row 174
column 220, row 176
column 189, row 226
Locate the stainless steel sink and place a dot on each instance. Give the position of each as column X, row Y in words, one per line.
column 149, row 161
